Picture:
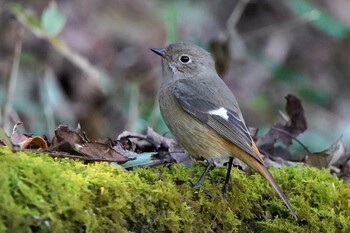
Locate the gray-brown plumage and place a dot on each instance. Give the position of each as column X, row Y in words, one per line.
column 202, row 112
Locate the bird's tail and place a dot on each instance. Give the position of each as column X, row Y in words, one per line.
column 256, row 163
column 264, row 172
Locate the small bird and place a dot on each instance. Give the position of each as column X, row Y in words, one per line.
column 203, row 114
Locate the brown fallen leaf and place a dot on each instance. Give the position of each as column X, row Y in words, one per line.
column 221, row 53
column 25, row 141
column 136, row 142
column 326, row 158
column 167, row 147
column 279, row 138
column 70, row 141
column 157, row 139
column 295, row 111
column 17, row 138
column 66, row 139
column 36, row 141
column 179, row 154
column 278, row 162
column 345, row 173
column 164, row 150
column 101, row 152
column 151, row 141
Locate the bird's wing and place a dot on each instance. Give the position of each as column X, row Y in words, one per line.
column 225, row 121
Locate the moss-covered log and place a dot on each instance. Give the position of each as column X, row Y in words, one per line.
column 41, row 194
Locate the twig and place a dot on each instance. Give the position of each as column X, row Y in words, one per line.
column 93, row 74
column 343, row 174
column 12, row 82
column 45, row 99
column 55, row 155
column 133, row 108
column 156, row 145
column 236, row 14
column 264, row 152
column 286, row 26
column 236, row 43
column 294, row 138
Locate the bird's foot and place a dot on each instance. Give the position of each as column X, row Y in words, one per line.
column 224, row 191
column 197, row 187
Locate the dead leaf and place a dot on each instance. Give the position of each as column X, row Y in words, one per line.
column 137, row 142
column 317, row 159
column 295, row 111
column 36, row 141
column 345, row 173
column 168, row 149
column 337, row 151
column 158, row 140
column 326, row 158
column 221, row 53
column 101, row 152
column 179, row 154
column 70, row 141
column 65, row 140
column 278, row 162
column 279, row 138
column 140, row 143
column 16, row 138
column 25, row 142
column 163, row 150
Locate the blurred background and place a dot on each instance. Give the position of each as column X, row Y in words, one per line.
column 88, row 62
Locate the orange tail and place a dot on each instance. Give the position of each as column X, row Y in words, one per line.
column 258, row 166
column 255, row 162
column 264, row 172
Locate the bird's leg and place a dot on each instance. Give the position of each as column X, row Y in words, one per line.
column 227, row 179
column 207, row 169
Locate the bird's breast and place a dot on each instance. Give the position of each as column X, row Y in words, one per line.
column 197, row 138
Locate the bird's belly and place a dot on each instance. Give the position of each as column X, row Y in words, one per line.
column 197, row 138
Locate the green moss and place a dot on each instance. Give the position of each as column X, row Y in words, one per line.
column 42, row 194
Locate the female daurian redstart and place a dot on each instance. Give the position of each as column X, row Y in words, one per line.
column 203, row 114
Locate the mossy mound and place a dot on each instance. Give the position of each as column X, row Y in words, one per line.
column 41, row 194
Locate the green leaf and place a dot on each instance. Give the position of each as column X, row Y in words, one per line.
column 322, row 20
column 316, row 96
column 170, row 14
column 287, row 75
column 22, row 15
column 17, row 9
column 52, row 20
column 260, row 102
column 27, row 57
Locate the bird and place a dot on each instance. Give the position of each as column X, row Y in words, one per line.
column 203, row 114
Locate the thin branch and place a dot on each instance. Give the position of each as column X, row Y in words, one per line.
column 343, row 174
column 236, row 14
column 45, row 99
column 156, row 145
column 236, row 43
column 294, row 138
column 93, row 74
column 285, row 26
column 12, row 83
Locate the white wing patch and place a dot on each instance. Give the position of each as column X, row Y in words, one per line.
column 222, row 112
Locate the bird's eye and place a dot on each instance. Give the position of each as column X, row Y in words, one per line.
column 185, row 59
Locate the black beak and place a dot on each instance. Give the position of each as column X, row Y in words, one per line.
column 158, row 51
